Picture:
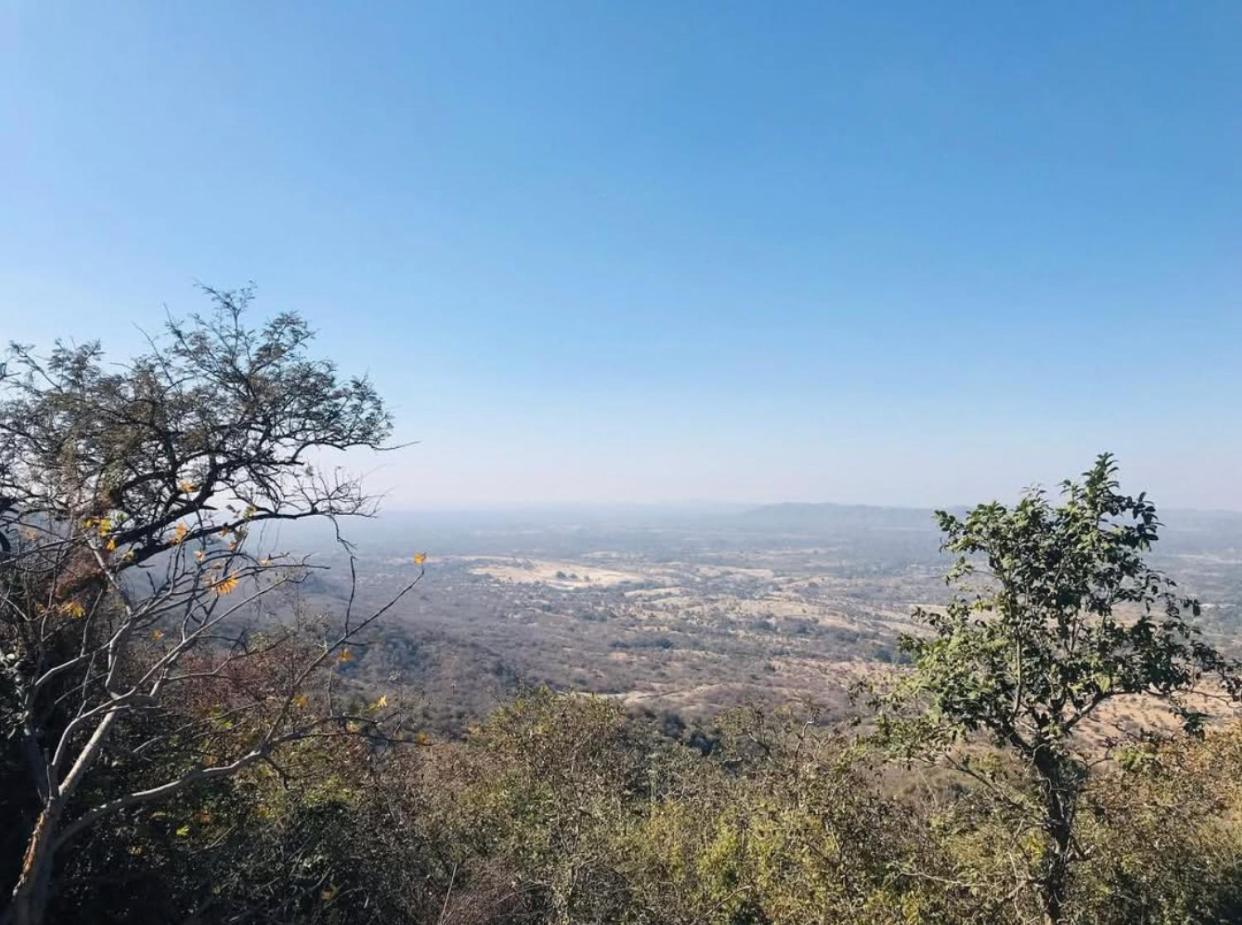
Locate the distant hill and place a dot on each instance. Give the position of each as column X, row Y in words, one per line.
column 887, row 533
column 1185, row 531
column 827, row 517
column 1201, row 532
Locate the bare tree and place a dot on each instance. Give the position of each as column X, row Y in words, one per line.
column 132, row 500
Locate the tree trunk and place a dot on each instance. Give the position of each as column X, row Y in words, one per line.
column 1060, row 784
column 30, row 895
column 1055, row 876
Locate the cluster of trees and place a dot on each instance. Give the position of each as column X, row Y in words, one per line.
column 180, row 743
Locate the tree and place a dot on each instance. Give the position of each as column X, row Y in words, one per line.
column 127, row 498
column 1055, row 614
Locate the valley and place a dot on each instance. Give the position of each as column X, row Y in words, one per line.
column 683, row 615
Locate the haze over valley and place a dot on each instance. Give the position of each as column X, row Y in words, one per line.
column 681, row 611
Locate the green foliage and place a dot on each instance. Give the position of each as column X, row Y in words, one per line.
column 562, row 808
column 1164, row 833
column 785, row 823
column 1055, row 613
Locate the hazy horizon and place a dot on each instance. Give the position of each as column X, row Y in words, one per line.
column 706, row 505
column 912, row 257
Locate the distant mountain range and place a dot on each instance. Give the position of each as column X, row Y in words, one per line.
column 1185, row 531
column 807, row 517
column 889, row 532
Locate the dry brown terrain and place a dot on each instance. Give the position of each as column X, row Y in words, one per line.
column 688, row 621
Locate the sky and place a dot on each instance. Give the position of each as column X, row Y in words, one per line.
column 669, row 251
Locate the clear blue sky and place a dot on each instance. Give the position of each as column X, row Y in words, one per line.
column 907, row 253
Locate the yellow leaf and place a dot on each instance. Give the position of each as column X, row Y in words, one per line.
column 345, row 656
column 73, row 609
column 200, row 555
column 179, row 534
column 157, row 635
column 300, row 701
column 420, row 558
column 380, row 703
column 183, row 831
column 225, row 585
column 111, row 545
column 185, row 486
column 422, row 739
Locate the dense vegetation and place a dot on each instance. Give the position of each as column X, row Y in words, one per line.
column 184, row 743
column 563, row 809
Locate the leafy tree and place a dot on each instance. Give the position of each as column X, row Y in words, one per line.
column 127, row 498
column 1056, row 613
